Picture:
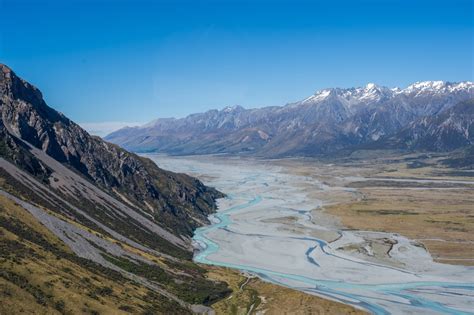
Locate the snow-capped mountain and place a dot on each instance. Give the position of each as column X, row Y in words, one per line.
column 352, row 97
column 329, row 120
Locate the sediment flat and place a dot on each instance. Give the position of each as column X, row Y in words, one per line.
column 296, row 223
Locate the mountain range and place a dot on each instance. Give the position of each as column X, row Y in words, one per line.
column 449, row 130
column 329, row 121
column 86, row 225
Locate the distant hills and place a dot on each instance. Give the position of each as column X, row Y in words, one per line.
column 425, row 115
column 118, row 225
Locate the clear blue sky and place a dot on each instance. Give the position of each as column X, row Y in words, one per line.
column 138, row 60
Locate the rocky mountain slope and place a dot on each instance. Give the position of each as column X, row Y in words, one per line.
column 111, row 217
column 446, row 131
column 177, row 202
column 326, row 122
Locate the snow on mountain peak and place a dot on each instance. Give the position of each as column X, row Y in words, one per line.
column 372, row 92
column 318, row 96
column 465, row 85
column 371, row 86
column 426, row 85
column 234, row 108
column 438, row 86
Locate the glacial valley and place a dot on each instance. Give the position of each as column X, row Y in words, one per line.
column 277, row 223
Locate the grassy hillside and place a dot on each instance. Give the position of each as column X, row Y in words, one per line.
column 39, row 274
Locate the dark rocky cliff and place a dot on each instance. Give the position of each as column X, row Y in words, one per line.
column 112, row 225
column 177, row 202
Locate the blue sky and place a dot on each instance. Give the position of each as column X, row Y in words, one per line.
column 133, row 61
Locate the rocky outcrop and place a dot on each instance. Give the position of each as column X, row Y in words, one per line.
column 450, row 130
column 113, row 214
column 177, row 202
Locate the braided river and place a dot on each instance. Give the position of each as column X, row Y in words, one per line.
column 269, row 225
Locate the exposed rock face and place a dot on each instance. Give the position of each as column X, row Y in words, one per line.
column 176, row 202
column 328, row 121
column 114, row 216
column 447, row 131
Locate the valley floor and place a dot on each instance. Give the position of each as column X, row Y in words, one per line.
column 354, row 231
column 425, row 201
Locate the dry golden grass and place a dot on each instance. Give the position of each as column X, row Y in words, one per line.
column 266, row 298
column 48, row 284
column 440, row 215
column 442, row 219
